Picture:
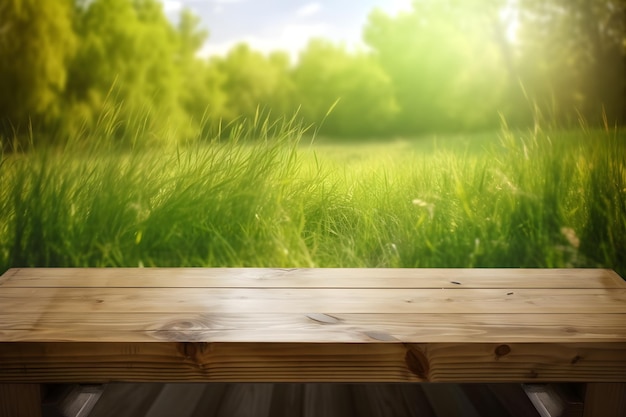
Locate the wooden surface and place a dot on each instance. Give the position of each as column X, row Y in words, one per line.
column 310, row 278
column 605, row 400
column 388, row 325
column 313, row 400
column 20, row 400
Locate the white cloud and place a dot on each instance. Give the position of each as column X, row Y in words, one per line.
column 220, row 5
column 309, row 9
column 216, row 49
column 302, row 32
column 172, row 6
column 395, row 6
column 291, row 38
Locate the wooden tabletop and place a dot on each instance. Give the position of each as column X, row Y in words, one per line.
column 200, row 324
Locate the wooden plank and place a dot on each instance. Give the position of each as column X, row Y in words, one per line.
column 126, row 400
column 605, row 400
column 485, row 401
column 287, row 400
column 20, row 400
column 211, row 400
column 312, row 327
column 390, row 400
column 328, row 400
column 415, row 400
column 178, row 400
column 555, row 400
column 8, row 275
column 246, row 400
column 323, row 362
column 79, row 400
column 514, row 399
column 312, row 278
column 449, row 400
column 273, row 300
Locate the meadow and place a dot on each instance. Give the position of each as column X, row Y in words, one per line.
column 537, row 198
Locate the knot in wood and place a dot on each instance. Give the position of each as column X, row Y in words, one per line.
column 381, row 336
column 323, row 318
column 190, row 330
column 192, row 350
column 503, row 350
column 417, row 363
column 189, row 324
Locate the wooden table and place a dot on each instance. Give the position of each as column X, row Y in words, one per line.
column 384, row 325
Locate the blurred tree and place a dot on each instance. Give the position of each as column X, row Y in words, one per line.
column 201, row 87
column 191, row 36
column 36, row 40
column 253, row 82
column 328, row 74
column 125, row 68
column 572, row 57
column 446, row 63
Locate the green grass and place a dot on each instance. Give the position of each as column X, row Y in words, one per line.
column 504, row 199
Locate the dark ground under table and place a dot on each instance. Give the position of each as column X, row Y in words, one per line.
column 312, row 400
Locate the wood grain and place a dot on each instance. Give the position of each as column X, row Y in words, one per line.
column 246, row 400
column 178, row 400
column 331, row 400
column 211, row 400
column 450, row 401
column 287, row 400
column 312, row 325
column 605, row 400
column 311, row 278
column 513, row 398
column 378, row 400
column 298, row 300
column 488, row 404
column 311, row 328
column 124, row 400
column 20, row 400
column 323, row 362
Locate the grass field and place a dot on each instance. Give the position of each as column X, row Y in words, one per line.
column 504, row 199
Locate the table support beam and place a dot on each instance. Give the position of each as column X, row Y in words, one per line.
column 605, row 400
column 20, row 400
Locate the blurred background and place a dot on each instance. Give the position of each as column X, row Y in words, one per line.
column 164, row 71
column 425, row 133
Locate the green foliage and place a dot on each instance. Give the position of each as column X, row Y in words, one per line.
column 444, row 62
column 85, row 206
column 605, row 216
column 551, row 199
column 253, row 81
column 36, row 41
column 230, row 186
column 327, row 75
column 574, row 57
column 125, row 63
column 200, row 90
column 120, row 71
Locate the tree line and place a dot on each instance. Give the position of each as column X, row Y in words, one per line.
column 121, row 70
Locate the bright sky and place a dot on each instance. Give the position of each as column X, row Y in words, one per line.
column 268, row 25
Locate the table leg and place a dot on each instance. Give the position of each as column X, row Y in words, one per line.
column 20, row 400
column 605, row 400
